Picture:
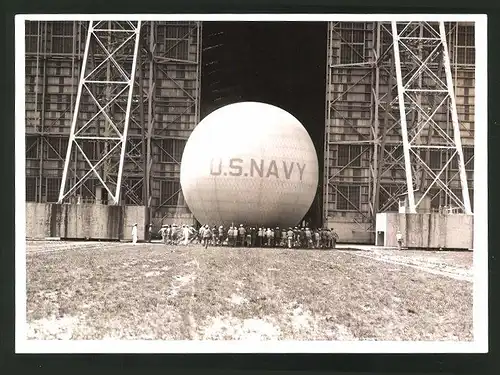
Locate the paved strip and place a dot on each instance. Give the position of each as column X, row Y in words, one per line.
column 452, row 275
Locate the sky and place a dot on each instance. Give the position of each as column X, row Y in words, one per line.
column 279, row 63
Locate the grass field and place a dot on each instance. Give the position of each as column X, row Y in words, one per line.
column 150, row 291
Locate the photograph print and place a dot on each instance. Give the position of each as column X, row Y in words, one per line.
column 210, row 183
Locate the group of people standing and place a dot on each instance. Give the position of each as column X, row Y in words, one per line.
column 250, row 236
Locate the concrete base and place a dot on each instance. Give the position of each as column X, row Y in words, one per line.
column 349, row 232
column 426, row 231
column 83, row 221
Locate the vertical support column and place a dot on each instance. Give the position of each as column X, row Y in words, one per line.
column 402, row 112
column 151, row 96
column 454, row 117
column 116, row 199
column 376, row 124
column 326, row 175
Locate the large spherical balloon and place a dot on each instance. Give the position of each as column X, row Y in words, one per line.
column 249, row 163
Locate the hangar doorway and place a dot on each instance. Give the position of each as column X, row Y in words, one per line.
column 280, row 63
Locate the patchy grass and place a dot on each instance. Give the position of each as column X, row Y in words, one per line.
column 151, row 292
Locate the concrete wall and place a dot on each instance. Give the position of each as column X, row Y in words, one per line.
column 430, row 230
column 351, row 233
column 80, row 221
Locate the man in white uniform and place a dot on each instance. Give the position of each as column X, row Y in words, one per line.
column 134, row 234
column 185, row 232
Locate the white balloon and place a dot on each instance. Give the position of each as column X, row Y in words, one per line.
column 249, row 163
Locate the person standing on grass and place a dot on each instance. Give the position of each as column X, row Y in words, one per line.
column 163, row 233
column 185, row 233
column 324, row 238
column 241, row 236
column 399, row 239
column 289, row 237
column 335, row 238
column 308, row 238
column 253, row 236
column 317, row 239
column 134, row 233
column 215, row 235
column 207, row 234
column 277, row 236
column 150, row 232
column 262, row 236
column 220, row 240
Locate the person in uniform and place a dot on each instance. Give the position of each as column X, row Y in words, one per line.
column 303, row 241
column 150, row 232
column 283, row 238
column 230, row 236
column 185, row 234
column 207, row 235
column 215, row 235
column 175, row 234
column 163, row 233
column 260, row 236
column 308, row 238
column 335, row 238
column 134, row 233
column 241, row 236
column 267, row 237
column 296, row 236
column 399, row 239
column 253, row 237
column 277, row 236
column 317, row 239
column 290, row 235
column 248, row 242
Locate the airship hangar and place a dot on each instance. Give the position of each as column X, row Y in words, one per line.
column 110, row 106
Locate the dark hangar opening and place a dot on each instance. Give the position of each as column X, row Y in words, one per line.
column 280, row 63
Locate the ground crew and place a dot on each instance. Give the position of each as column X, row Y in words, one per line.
column 253, row 237
column 185, row 234
column 248, row 242
column 207, row 234
column 230, row 238
column 308, row 238
column 290, row 235
column 150, row 232
column 283, row 238
column 260, row 235
column 317, row 239
column 221, row 236
column 303, row 240
column 174, row 235
column 335, row 238
column 241, row 236
column 215, row 235
column 277, row 237
column 163, row 233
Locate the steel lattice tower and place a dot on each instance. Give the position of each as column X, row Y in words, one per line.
column 106, row 82
column 425, row 91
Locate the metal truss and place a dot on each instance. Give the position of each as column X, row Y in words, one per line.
column 334, row 106
column 425, row 93
column 156, row 63
column 98, row 135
